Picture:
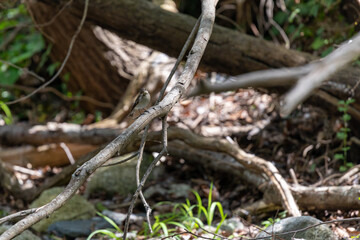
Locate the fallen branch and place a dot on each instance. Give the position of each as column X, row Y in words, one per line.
column 322, row 70
column 55, row 133
column 308, row 74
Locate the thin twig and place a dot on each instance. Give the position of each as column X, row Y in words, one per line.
column 61, row 95
column 179, row 59
column 138, row 165
column 121, row 161
column 216, row 235
column 143, row 139
column 68, row 153
column 65, row 59
column 20, row 214
column 23, row 69
column 143, row 180
column 52, row 20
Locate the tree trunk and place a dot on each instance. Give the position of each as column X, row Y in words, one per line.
column 90, row 65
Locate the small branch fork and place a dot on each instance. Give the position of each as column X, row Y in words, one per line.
column 144, row 136
column 144, row 178
column 127, row 136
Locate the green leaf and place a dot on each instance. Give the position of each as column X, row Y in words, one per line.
column 180, row 225
column 164, row 228
column 52, row 68
column 7, row 24
column 10, row 76
column 349, row 101
column 341, row 135
column 102, row 231
column 19, row 58
column 317, row 43
column 293, row 15
column 342, row 168
column 345, row 149
column 307, row 32
column 319, row 31
column 328, row 3
column 66, row 77
column 349, row 164
column 280, row 17
column 338, row 156
column 8, row 119
column 109, row 220
column 199, row 201
column 346, row 117
column 345, row 129
column 44, row 57
column 312, row 167
column 314, row 10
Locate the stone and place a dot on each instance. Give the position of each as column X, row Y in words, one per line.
column 78, row 228
column 119, row 218
column 179, row 190
column 320, row 232
column 231, row 225
column 75, row 208
column 120, row 179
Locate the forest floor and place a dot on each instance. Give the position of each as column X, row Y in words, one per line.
column 304, row 143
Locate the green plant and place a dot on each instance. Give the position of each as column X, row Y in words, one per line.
column 313, row 25
column 342, row 134
column 8, row 116
column 20, row 42
column 210, row 211
column 107, row 232
column 189, row 216
column 272, row 221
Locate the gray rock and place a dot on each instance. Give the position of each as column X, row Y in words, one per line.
column 26, row 235
column 180, row 190
column 78, row 228
column 119, row 218
column 231, row 225
column 120, row 179
column 76, row 208
column 321, row 232
column 155, row 190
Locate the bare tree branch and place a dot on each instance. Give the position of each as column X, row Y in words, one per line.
column 264, row 78
column 326, row 67
column 127, row 136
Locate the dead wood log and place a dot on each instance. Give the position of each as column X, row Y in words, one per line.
column 308, row 198
column 328, row 198
column 40, row 156
column 9, row 182
column 228, row 51
column 55, row 133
